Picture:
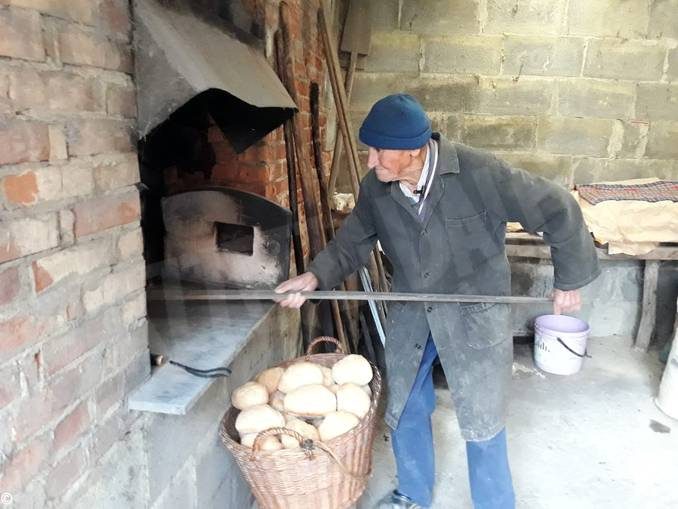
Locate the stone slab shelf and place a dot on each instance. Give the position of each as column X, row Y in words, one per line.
column 200, row 335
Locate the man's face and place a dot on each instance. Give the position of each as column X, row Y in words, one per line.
column 390, row 165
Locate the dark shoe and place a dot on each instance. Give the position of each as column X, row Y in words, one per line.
column 395, row 500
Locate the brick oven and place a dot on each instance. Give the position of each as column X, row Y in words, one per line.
column 83, row 420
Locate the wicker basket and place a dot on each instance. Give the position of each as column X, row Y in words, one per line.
column 318, row 475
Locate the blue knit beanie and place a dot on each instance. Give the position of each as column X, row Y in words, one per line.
column 396, row 122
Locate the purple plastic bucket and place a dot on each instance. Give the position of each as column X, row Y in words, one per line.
column 560, row 343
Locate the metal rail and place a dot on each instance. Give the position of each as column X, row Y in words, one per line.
column 224, row 295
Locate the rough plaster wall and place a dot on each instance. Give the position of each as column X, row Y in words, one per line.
column 573, row 90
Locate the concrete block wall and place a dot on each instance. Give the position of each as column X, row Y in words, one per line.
column 72, row 276
column 577, row 91
column 573, row 90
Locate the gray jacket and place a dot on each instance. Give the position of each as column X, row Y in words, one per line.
column 458, row 248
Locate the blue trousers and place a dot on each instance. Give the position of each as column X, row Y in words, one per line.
column 412, row 441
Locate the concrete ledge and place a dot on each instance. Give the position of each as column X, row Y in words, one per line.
column 200, row 335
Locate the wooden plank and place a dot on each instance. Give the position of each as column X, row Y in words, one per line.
column 649, row 309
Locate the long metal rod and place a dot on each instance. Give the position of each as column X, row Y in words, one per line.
column 207, row 295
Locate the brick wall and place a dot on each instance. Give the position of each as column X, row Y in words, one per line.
column 73, row 330
column 72, row 303
column 575, row 90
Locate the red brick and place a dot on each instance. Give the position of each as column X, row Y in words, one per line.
column 83, row 11
column 20, row 189
column 115, row 287
column 10, row 284
column 102, row 213
column 80, row 47
column 21, row 34
column 10, row 389
column 54, row 90
column 61, row 351
column 79, row 260
column 33, row 414
column 25, row 236
column 114, row 174
column 121, row 101
column 24, row 465
column 23, row 141
column 71, row 385
column 109, row 394
column 87, row 137
column 115, row 17
column 71, row 428
column 65, row 473
column 18, row 333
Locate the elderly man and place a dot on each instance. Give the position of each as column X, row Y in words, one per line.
column 439, row 210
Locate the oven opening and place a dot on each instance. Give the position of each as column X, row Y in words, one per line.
column 235, row 238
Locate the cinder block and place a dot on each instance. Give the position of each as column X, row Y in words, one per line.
column 543, row 56
column 393, row 52
column 512, row 97
column 384, row 14
column 663, row 19
column 627, row 20
column 499, row 132
column 215, row 471
column 462, row 55
column 181, row 493
column 555, row 168
column 661, row 142
column 21, row 34
column 440, row 17
column 595, row 98
column 620, row 59
column 588, row 170
column 537, row 17
column 657, row 101
column 435, row 93
column 576, row 136
column 672, row 72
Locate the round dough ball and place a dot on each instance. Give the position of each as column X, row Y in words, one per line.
column 334, row 388
column 258, row 418
column 367, row 390
column 327, row 376
column 337, row 423
column 352, row 398
column 270, row 443
column 270, row 378
column 300, row 374
column 303, row 428
column 249, row 394
column 352, row 369
column 248, row 439
column 276, row 401
column 311, row 400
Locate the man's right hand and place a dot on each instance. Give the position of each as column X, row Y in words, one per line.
column 306, row 282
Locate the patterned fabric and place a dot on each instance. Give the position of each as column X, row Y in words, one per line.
column 664, row 190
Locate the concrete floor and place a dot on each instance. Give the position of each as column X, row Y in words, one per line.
column 590, row 440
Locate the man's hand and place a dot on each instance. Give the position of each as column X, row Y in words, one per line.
column 306, row 282
column 566, row 301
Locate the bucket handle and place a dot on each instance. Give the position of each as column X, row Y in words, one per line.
column 582, row 355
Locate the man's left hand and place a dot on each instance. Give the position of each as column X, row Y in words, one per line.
column 566, row 301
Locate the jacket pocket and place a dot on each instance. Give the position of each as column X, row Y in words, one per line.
column 486, row 324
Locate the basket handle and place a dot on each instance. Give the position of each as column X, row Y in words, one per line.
column 324, row 339
column 307, row 445
column 256, row 446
